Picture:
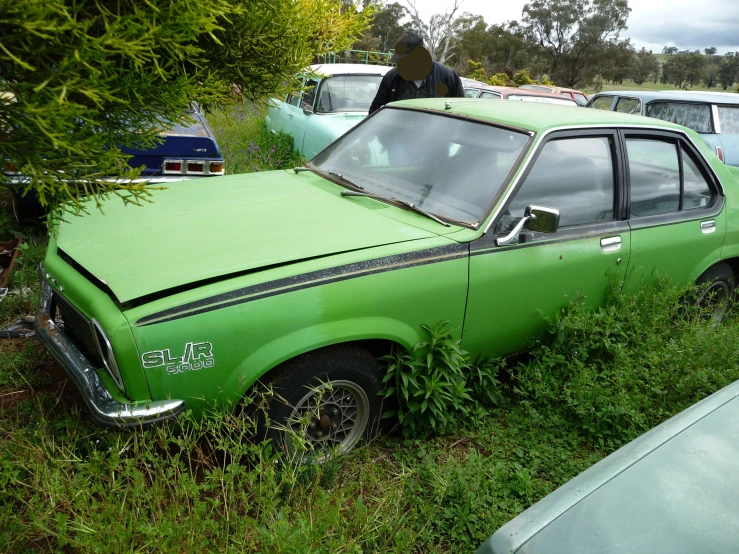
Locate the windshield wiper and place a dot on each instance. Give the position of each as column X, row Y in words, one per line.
column 301, row 168
column 411, row 205
column 349, row 181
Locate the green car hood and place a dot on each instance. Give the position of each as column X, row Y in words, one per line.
column 210, row 227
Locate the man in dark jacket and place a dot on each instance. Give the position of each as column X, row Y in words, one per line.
column 416, row 75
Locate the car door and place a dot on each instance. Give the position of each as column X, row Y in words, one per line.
column 515, row 287
column 298, row 113
column 675, row 209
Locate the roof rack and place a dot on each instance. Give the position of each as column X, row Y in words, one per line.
column 356, row 56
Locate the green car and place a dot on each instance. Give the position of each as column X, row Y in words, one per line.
column 672, row 490
column 489, row 215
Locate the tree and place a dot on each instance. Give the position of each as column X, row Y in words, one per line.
column 573, row 33
column 669, row 50
column 88, row 77
column 710, row 51
column 617, row 61
column 684, row 69
column 728, row 71
column 439, row 33
column 387, row 25
column 645, row 67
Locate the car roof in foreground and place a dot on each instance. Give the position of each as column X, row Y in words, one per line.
column 675, row 95
column 673, row 490
column 533, row 116
column 334, row 69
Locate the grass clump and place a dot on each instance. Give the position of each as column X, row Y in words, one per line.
column 246, row 144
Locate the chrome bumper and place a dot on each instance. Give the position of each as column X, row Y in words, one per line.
column 104, row 408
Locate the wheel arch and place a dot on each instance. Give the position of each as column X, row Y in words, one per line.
column 377, row 335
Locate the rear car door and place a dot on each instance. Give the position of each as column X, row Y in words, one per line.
column 516, row 287
column 675, row 209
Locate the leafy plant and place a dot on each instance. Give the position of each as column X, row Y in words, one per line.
column 430, row 383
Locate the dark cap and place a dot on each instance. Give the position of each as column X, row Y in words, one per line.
column 405, row 44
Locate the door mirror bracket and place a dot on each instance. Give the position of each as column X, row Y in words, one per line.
column 536, row 218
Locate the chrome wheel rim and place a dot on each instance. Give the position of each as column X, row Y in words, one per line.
column 717, row 295
column 331, row 417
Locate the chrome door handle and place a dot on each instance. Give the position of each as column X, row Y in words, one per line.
column 708, row 227
column 290, row 114
column 610, row 244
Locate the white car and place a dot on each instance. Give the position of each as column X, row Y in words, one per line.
column 339, row 96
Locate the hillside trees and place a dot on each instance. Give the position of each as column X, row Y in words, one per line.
column 684, row 69
column 573, row 34
column 87, row 77
column 645, row 67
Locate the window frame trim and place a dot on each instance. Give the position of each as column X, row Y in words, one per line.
column 706, row 172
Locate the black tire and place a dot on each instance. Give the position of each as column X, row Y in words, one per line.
column 717, row 288
column 317, row 394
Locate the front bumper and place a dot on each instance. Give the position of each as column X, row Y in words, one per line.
column 105, row 410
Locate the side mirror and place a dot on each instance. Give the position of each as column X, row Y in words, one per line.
column 307, row 111
column 537, row 218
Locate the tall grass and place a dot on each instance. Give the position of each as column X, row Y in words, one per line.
column 246, row 144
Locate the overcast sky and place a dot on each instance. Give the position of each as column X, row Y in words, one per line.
column 686, row 24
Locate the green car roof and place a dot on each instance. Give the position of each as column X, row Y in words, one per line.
column 532, row 116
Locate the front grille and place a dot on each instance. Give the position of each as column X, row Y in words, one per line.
column 77, row 328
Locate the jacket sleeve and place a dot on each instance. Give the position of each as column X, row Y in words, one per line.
column 383, row 94
column 457, row 89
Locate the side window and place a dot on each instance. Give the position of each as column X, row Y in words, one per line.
column 572, row 175
column 471, row 92
column 693, row 116
column 309, row 95
column 602, row 103
column 293, row 100
column 697, row 193
column 490, row 96
column 629, row 105
column 655, row 177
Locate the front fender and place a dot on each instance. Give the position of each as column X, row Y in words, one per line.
column 311, row 338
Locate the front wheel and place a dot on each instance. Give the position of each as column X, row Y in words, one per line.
column 325, row 402
column 717, row 291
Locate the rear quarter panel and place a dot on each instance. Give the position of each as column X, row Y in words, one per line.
column 250, row 338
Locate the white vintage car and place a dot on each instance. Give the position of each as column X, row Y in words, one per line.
column 339, row 97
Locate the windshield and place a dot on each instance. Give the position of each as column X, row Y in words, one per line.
column 543, row 99
column 348, row 93
column 450, row 167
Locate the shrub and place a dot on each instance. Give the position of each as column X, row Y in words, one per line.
column 436, row 384
column 617, row 371
column 522, row 77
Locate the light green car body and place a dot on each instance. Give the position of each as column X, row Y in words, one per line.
column 212, row 286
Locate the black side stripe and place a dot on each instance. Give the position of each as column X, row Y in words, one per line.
column 308, row 280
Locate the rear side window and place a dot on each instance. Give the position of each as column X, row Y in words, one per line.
column 490, row 96
column 693, row 116
column 655, row 177
column 471, row 92
column 654, row 169
column 580, row 99
column 697, row 193
column 729, row 118
column 602, row 103
column 574, row 176
column 629, row 105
